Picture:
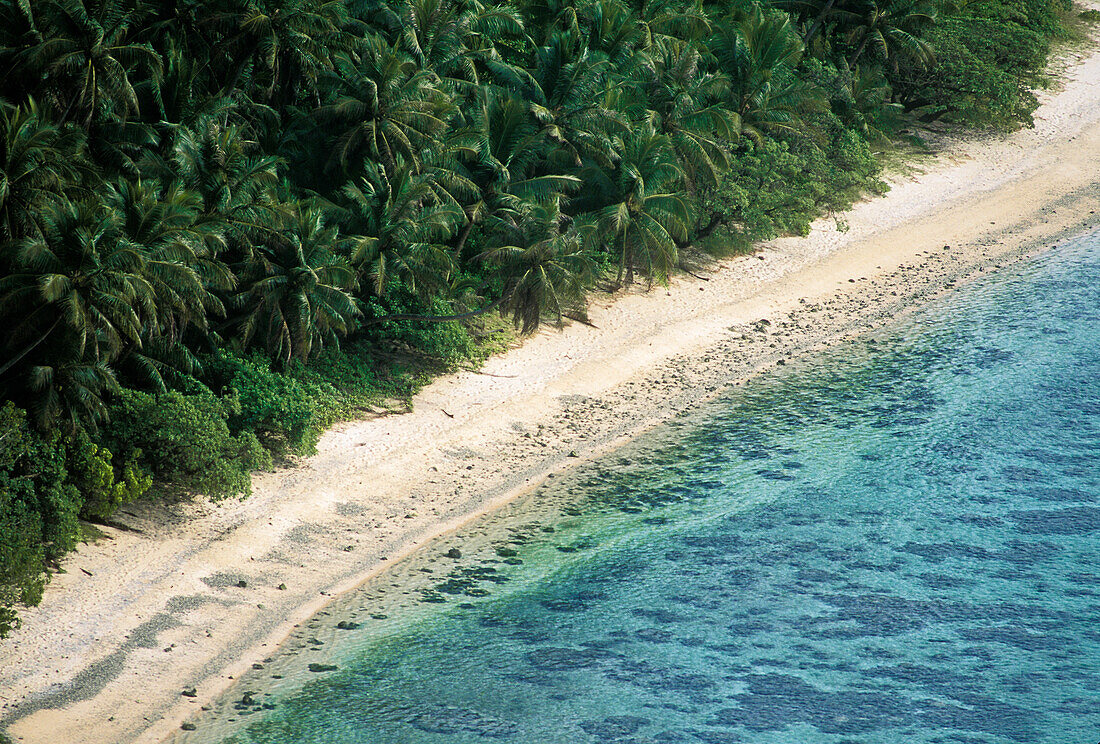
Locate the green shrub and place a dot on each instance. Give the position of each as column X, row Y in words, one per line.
column 185, row 440
column 448, row 343
column 988, row 57
column 103, row 488
column 286, row 414
column 779, row 187
column 39, row 511
column 22, row 550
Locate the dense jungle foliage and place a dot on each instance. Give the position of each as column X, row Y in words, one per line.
column 224, row 222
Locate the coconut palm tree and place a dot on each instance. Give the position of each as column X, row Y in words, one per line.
column 687, row 105
column 40, row 165
column 287, row 44
column 83, row 289
column 759, row 53
column 86, row 60
column 570, row 99
column 237, row 184
column 399, row 224
column 459, row 40
column 385, row 106
column 648, row 212
column 167, row 225
column 542, row 264
column 294, row 296
column 508, row 145
column 891, row 30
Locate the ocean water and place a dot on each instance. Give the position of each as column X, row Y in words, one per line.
column 893, row 540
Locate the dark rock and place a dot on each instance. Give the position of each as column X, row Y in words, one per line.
column 190, row 692
column 188, row 726
column 453, row 553
column 322, row 667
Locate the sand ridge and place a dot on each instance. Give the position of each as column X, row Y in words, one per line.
column 144, row 615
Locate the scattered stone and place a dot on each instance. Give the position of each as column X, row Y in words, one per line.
column 322, row 667
column 347, row 625
column 242, row 584
column 188, row 726
column 190, row 692
column 453, row 553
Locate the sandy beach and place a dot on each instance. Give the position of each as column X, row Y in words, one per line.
column 190, row 596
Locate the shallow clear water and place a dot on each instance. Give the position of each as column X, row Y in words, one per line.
column 892, row 541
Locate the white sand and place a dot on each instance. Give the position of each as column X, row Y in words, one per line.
column 140, row 617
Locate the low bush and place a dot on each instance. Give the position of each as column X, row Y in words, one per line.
column 186, row 440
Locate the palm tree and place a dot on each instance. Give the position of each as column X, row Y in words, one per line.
column 759, row 54
column 459, row 40
column 83, row 288
column 400, row 225
column 237, row 185
column 570, row 100
column 66, row 390
column 40, row 165
column 891, row 30
column 289, row 44
column 385, row 106
column 541, row 263
column 615, row 31
column 85, row 59
column 294, row 296
column 675, row 20
column 686, row 105
column 166, row 224
column 509, row 145
column 648, row 212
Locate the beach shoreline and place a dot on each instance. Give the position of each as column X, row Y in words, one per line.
column 161, row 608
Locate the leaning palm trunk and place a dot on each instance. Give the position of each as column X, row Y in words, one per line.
column 818, row 23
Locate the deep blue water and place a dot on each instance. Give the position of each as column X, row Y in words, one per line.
column 894, row 540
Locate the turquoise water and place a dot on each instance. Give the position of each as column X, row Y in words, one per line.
column 892, row 541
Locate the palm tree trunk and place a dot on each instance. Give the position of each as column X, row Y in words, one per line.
column 12, row 362
column 818, row 22
column 859, row 51
column 716, row 219
column 462, row 237
column 438, row 318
